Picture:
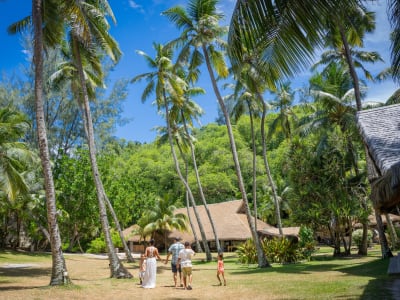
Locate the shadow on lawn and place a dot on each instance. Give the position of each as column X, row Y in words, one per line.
column 382, row 286
column 24, row 272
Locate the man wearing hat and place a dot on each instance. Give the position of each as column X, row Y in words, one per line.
column 174, row 250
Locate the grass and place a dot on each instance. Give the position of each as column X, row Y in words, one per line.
column 27, row 276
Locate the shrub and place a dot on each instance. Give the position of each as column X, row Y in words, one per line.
column 281, row 250
column 247, row 252
column 357, row 237
column 306, row 242
column 99, row 245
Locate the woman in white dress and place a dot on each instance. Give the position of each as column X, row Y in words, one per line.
column 149, row 278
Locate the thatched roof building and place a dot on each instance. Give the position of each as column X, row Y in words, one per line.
column 230, row 221
column 380, row 130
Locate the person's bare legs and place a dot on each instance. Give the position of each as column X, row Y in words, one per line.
column 175, row 278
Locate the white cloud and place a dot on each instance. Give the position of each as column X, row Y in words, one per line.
column 136, row 6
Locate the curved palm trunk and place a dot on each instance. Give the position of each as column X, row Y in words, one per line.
column 198, row 247
column 266, row 164
column 357, row 94
column 262, row 260
column 118, row 226
column 385, row 249
column 392, row 231
column 176, row 162
column 59, row 273
column 202, row 197
column 253, row 141
column 116, row 267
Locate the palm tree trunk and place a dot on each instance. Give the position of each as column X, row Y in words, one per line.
column 178, row 170
column 116, row 267
column 202, row 197
column 198, row 247
column 392, row 231
column 59, row 274
column 385, row 249
column 357, row 94
column 262, row 260
column 118, row 226
column 253, row 141
column 266, row 164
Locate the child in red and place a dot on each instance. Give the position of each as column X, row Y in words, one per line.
column 220, row 269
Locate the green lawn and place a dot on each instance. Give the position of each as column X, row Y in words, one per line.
column 323, row 277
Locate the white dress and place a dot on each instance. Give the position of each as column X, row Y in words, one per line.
column 149, row 278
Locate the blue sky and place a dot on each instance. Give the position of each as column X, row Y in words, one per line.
column 139, row 24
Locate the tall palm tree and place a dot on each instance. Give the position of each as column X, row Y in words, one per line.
column 244, row 101
column 185, row 113
column 168, row 85
column 88, row 34
column 201, row 38
column 59, row 274
column 394, row 18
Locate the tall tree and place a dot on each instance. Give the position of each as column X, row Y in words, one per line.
column 168, row 85
column 59, row 274
column 201, row 38
column 88, row 34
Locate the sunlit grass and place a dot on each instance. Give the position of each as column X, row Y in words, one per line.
column 324, row 277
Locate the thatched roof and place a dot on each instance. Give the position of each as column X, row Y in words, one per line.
column 380, row 130
column 372, row 220
column 229, row 219
column 287, row 231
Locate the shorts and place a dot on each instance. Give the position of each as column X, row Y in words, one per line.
column 187, row 271
column 175, row 269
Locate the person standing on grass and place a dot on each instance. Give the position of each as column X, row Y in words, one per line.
column 221, row 269
column 149, row 278
column 185, row 262
column 174, row 250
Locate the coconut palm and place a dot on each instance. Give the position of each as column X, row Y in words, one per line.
column 394, row 18
column 185, row 114
column 200, row 39
column 88, row 33
column 168, row 85
column 59, row 274
column 244, row 101
column 162, row 218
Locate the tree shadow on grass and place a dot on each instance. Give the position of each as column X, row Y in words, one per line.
column 24, row 272
column 382, row 286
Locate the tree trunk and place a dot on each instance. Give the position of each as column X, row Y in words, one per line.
column 183, row 180
column 202, row 197
column 262, row 260
column 198, row 247
column 357, row 93
column 59, row 274
column 253, row 142
column 266, row 164
column 386, row 252
column 392, row 231
column 116, row 268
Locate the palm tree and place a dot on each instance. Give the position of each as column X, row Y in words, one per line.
column 161, row 217
column 283, row 103
column 59, row 274
column 168, row 85
column 185, row 114
column 244, row 101
column 14, row 155
column 394, row 18
column 88, row 34
column 200, row 39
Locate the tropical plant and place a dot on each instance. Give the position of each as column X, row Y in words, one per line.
column 162, row 218
column 169, row 86
column 200, row 39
